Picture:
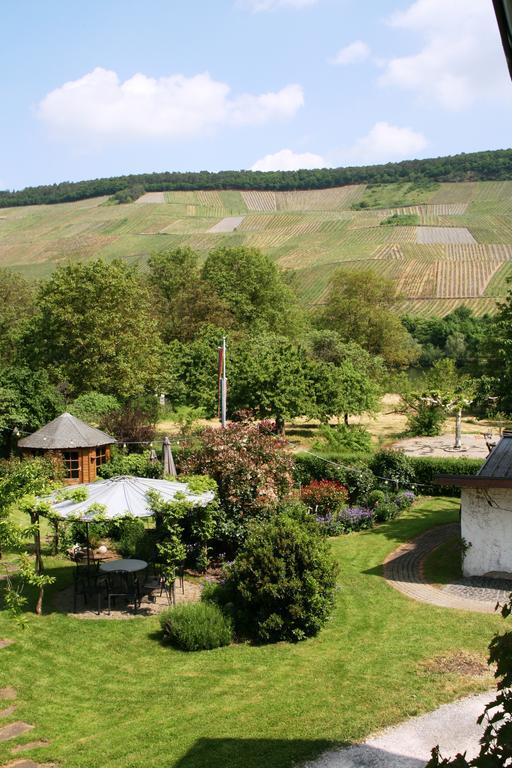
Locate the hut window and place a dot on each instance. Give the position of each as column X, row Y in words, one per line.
column 72, row 464
column 101, row 455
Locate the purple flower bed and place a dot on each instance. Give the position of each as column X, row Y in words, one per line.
column 356, row 518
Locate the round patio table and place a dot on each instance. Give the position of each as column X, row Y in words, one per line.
column 123, row 566
column 127, row 569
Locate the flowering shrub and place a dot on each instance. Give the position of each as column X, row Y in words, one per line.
column 253, row 473
column 324, row 497
column 404, row 499
column 356, row 518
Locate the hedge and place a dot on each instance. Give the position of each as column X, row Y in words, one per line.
column 309, row 467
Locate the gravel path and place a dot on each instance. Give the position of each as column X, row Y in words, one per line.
column 452, row 726
column 228, row 224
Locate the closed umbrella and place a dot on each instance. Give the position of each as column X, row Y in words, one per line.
column 168, row 461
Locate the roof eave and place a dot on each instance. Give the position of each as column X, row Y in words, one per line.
column 473, row 481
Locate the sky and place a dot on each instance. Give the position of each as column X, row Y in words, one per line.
column 111, row 87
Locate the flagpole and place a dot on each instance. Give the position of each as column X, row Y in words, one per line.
column 223, row 390
column 222, row 383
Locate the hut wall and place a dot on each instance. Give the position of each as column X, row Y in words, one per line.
column 486, row 525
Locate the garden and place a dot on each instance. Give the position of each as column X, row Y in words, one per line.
column 297, row 645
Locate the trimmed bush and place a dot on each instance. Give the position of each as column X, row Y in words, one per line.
column 393, row 465
column 283, row 581
column 196, row 627
column 426, row 468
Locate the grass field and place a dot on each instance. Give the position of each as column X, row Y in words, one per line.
column 110, row 693
column 452, row 245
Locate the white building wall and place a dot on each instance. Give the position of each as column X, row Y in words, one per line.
column 488, row 529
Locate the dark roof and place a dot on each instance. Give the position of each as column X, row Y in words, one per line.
column 503, row 11
column 495, row 473
column 66, row 431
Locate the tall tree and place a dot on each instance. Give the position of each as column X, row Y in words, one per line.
column 269, row 375
column 184, row 300
column 16, row 307
column 342, row 390
column 359, row 307
column 254, row 290
column 94, row 329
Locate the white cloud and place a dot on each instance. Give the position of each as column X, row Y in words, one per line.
column 461, row 60
column 256, row 6
column 100, row 105
column 384, row 143
column 356, row 51
column 287, row 160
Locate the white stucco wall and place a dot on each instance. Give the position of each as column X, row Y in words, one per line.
column 487, row 529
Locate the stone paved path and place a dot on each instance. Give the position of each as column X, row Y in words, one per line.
column 403, row 569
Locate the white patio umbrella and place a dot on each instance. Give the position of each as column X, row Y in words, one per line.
column 122, row 496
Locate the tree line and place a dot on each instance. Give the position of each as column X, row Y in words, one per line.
column 475, row 166
column 128, row 334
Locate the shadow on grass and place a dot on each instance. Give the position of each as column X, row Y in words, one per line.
column 283, row 753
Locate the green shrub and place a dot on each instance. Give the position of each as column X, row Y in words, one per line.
column 386, row 510
column 196, row 627
column 375, row 498
column 343, row 438
column 93, row 406
column 425, row 469
column 283, row 581
column 393, row 466
column 136, row 464
column 426, row 421
column 128, row 533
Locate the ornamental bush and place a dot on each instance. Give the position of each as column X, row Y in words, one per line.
column 196, row 627
column 282, row 581
column 324, row 497
column 253, row 474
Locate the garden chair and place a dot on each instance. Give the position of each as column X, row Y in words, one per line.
column 156, row 580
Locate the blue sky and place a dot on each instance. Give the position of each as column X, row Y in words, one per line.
column 111, row 87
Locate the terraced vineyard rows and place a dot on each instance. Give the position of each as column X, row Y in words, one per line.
column 460, row 254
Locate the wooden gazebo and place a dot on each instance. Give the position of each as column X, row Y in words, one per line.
column 83, row 448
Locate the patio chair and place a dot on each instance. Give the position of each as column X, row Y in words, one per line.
column 85, row 582
column 156, row 580
column 114, row 585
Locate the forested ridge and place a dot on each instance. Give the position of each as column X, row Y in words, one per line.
column 476, row 166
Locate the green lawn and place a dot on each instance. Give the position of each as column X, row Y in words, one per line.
column 109, row 693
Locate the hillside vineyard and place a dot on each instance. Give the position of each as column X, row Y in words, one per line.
column 445, row 244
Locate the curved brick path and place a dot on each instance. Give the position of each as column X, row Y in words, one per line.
column 403, row 569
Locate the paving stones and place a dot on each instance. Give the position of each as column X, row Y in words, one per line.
column 403, row 569
column 4, row 642
column 8, row 711
column 29, row 745
column 22, row 764
column 7, row 694
column 13, row 730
